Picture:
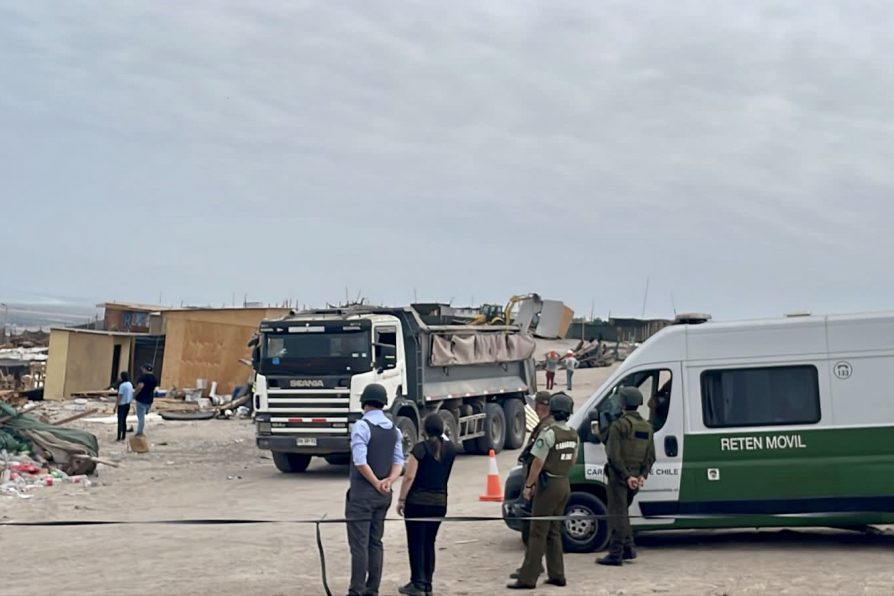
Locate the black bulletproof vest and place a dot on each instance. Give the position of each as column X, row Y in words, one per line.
column 379, row 453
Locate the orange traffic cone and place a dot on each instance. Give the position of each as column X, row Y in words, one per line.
column 494, row 491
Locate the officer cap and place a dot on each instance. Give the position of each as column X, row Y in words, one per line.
column 631, row 397
column 374, row 394
column 542, row 398
column 561, row 403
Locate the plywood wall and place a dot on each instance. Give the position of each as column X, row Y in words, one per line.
column 54, row 386
column 210, row 351
column 89, row 362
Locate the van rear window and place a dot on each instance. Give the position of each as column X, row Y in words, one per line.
column 770, row 396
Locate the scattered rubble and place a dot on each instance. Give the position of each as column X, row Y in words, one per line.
column 36, row 453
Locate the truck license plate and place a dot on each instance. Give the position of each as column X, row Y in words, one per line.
column 305, row 442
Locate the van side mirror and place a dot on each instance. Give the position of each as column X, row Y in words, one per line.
column 593, row 428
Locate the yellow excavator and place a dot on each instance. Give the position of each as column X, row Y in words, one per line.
column 494, row 314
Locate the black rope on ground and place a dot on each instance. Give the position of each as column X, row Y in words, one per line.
column 322, row 558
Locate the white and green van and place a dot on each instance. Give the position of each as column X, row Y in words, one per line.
column 786, row 422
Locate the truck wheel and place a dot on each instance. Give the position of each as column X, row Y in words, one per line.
column 494, row 429
column 585, row 535
column 514, row 410
column 291, row 463
column 338, row 459
column 408, row 431
column 451, row 426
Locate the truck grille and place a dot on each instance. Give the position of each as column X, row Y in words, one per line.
column 295, row 412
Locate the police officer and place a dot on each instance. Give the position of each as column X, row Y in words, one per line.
column 541, row 408
column 554, row 452
column 631, row 453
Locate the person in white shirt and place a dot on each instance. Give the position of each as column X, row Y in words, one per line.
column 122, row 404
column 571, row 363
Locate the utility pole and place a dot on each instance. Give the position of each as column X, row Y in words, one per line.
column 5, row 318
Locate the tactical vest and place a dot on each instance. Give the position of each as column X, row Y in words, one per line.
column 379, row 456
column 525, row 458
column 561, row 456
column 637, row 436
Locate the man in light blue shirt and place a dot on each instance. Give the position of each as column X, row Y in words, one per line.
column 377, row 461
column 122, row 404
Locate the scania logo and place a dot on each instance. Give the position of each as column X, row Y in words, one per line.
column 306, row 383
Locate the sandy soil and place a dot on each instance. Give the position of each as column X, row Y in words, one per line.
column 211, row 469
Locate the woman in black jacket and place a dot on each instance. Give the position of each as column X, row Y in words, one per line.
column 423, row 493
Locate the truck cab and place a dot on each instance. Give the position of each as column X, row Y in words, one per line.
column 310, row 374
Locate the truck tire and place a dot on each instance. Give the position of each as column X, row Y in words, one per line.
column 338, row 459
column 408, row 432
column 494, row 430
column 514, row 410
column 451, row 426
column 291, row 463
column 588, row 535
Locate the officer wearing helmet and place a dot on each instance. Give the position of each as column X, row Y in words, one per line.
column 541, row 408
column 630, row 452
column 554, row 452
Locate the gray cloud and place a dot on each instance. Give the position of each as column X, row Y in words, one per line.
column 735, row 154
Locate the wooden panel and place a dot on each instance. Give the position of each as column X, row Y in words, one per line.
column 54, row 386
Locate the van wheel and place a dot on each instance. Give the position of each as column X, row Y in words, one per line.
column 584, row 535
column 451, row 427
column 494, row 430
column 514, row 410
column 291, row 463
column 408, row 433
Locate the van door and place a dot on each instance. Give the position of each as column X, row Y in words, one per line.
column 662, row 389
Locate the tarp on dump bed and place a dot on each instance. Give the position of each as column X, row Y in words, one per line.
column 482, row 348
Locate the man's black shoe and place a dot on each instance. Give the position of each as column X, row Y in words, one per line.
column 557, row 581
column 629, row 554
column 613, row 561
column 411, row 590
column 519, row 586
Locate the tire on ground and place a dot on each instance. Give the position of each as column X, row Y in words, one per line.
column 494, row 430
column 451, row 426
column 514, row 409
column 338, row 459
column 586, row 535
column 408, row 432
column 291, row 463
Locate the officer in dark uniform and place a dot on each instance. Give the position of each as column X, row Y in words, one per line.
column 541, row 407
column 554, row 452
column 631, row 453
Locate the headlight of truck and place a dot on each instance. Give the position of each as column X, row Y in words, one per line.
column 264, row 428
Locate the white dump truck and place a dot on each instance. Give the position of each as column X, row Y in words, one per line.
column 311, row 368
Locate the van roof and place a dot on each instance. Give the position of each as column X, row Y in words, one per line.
column 760, row 338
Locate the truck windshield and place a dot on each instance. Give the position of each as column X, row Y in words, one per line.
column 316, row 353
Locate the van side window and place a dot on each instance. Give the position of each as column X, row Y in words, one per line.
column 760, row 396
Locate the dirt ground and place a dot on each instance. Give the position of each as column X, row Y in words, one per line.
column 211, row 469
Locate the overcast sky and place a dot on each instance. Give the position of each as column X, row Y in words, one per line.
column 738, row 155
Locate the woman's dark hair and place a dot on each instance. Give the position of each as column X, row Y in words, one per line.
column 125, row 377
column 433, row 425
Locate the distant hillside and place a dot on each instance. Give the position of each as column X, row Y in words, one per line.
column 43, row 315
